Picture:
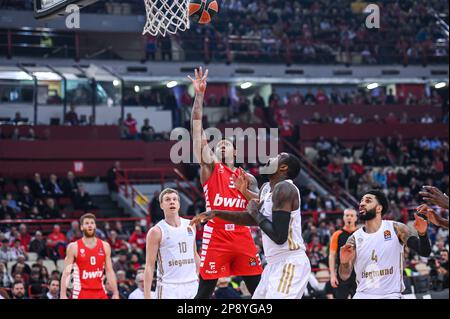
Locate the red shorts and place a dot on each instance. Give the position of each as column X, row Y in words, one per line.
column 90, row 294
column 228, row 250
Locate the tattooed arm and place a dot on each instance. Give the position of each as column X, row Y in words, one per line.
column 347, row 256
column 202, row 152
column 406, row 237
column 238, row 218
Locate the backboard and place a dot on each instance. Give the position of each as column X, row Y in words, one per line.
column 52, row 8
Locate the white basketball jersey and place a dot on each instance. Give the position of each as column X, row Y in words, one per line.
column 379, row 261
column 295, row 243
column 175, row 260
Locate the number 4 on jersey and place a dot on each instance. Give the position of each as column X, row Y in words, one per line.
column 374, row 256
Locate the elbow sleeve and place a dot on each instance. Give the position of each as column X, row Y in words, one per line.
column 420, row 244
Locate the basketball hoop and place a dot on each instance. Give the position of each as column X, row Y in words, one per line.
column 166, row 16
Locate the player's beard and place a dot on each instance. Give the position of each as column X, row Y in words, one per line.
column 369, row 215
column 88, row 234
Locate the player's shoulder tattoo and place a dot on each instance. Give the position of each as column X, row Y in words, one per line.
column 403, row 232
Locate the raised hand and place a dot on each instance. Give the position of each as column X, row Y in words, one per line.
column 433, row 195
column 200, row 81
column 420, row 224
column 241, row 182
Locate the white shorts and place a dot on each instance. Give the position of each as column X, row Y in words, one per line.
column 176, row 291
column 286, row 279
column 362, row 295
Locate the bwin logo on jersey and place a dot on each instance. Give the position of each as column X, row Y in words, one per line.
column 387, row 235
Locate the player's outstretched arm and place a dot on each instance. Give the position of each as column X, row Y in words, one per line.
column 202, row 152
column 347, row 255
column 332, row 260
column 421, row 244
column 153, row 241
column 109, row 271
column 68, row 262
column 285, row 200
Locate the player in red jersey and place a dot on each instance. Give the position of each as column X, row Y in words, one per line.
column 227, row 249
column 89, row 258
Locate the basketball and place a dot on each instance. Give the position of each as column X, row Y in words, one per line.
column 202, row 11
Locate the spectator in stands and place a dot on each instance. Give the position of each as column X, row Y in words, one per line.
column 117, row 244
column 111, row 177
column 82, row 199
column 186, row 99
column 137, row 239
column 138, row 293
column 70, row 185
column 18, row 250
column 391, row 119
column 18, row 290
column 340, row 119
column 54, row 189
column 5, row 278
column 37, row 186
column 51, row 211
column 244, row 109
column 426, row 119
column 35, row 285
column 321, row 97
column 56, row 243
column 12, row 202
column 15, row 136
column 23, row 267
column 53, row 290
column 5, row 251
column 24, row 237
column 147, row 131
column 390, row 98
column 122, row 233
column 122, row 263
column 38, row 245
column 309, row 99
column 26, row 200
column 411, row 99
column 150, row 47
column 74, row 231
column 6, row 212
column 131, row 125
column 71, row 117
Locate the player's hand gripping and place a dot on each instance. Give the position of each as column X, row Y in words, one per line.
column 241, row 182
column 200, row 81
column 347, row 253
column 420, row 224
column 433, row 195
column 202, row 218
column 431, row 215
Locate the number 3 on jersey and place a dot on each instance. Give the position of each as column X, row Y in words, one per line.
column 374, row 256
column 93, row 261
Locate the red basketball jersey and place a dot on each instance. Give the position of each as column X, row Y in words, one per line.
column 90, row 267
column 221, row 193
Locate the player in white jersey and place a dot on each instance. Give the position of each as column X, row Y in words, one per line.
column 375, row 250
column 171, row 243
column 277, row 213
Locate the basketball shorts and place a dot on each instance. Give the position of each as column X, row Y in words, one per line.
column 285, row 279
column 176, row 290
column 362, row 295
column 90, row 294
column 228, row 250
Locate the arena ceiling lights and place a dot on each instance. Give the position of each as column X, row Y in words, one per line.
column 372, row 86
column 246, row 85
column 172, row 84
column 440, row 85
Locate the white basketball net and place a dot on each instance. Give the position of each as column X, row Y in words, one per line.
column 166, row 16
